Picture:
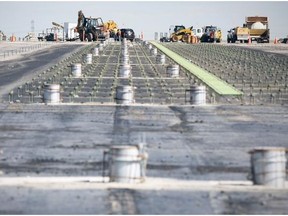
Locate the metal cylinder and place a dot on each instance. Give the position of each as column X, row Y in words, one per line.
column 95, row 51
column 172, row 70
column 124, row 94
column 198, row 95
column 153, row 51
column 100, row 47
column 160, row 59
column 103, row 42
column 87, row 58
column 52, row 93
column 76, row 70
column 124, row 70
column 124, row 41
column 268, row 166
column 124, row 59
column 126, row 164
column 124, row 50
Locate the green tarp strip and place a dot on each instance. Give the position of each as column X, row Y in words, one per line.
column 219, row 86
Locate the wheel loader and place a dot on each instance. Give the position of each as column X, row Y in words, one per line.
column 180, row 33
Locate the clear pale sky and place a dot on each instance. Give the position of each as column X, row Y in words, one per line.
column 146, row 16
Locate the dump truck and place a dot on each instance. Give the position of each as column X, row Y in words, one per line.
column 211, row 34
column 259, row 29
column 91, row 29
column 238, row 34
column 179, row 33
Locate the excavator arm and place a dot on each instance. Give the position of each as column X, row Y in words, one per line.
column 81, row 21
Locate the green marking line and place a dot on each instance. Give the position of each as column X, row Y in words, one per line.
column 219, row 86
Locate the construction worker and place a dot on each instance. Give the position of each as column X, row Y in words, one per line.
column 115, row 33
column 119, row 35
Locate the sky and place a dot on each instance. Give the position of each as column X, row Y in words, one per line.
column 142, row 16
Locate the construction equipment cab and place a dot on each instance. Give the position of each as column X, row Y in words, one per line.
column 91, row 29
column 211, row 34
column 198, row 32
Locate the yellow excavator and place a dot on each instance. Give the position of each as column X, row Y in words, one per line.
column 180, row 33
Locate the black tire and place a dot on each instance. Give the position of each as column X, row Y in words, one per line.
column 90, row 37
column 174, row 39
column 204, row 39
column 81, row 36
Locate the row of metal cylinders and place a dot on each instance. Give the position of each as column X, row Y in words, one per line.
column 124, row 93
column 127, row 164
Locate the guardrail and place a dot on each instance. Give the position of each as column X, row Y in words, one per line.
column 6, row 54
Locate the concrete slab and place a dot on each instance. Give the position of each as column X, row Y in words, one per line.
column 198, row 156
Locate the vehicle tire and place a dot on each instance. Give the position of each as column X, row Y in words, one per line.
column 95, row 37
column 81, row 36
column 174, row 38
column 90, row 37
column 203, row 39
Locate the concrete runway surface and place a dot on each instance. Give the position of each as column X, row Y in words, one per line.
column 51, row 156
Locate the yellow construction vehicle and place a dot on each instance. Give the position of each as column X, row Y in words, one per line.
column 259, row 29
column 112, row 27
column 180, row 33
column 238, row 34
